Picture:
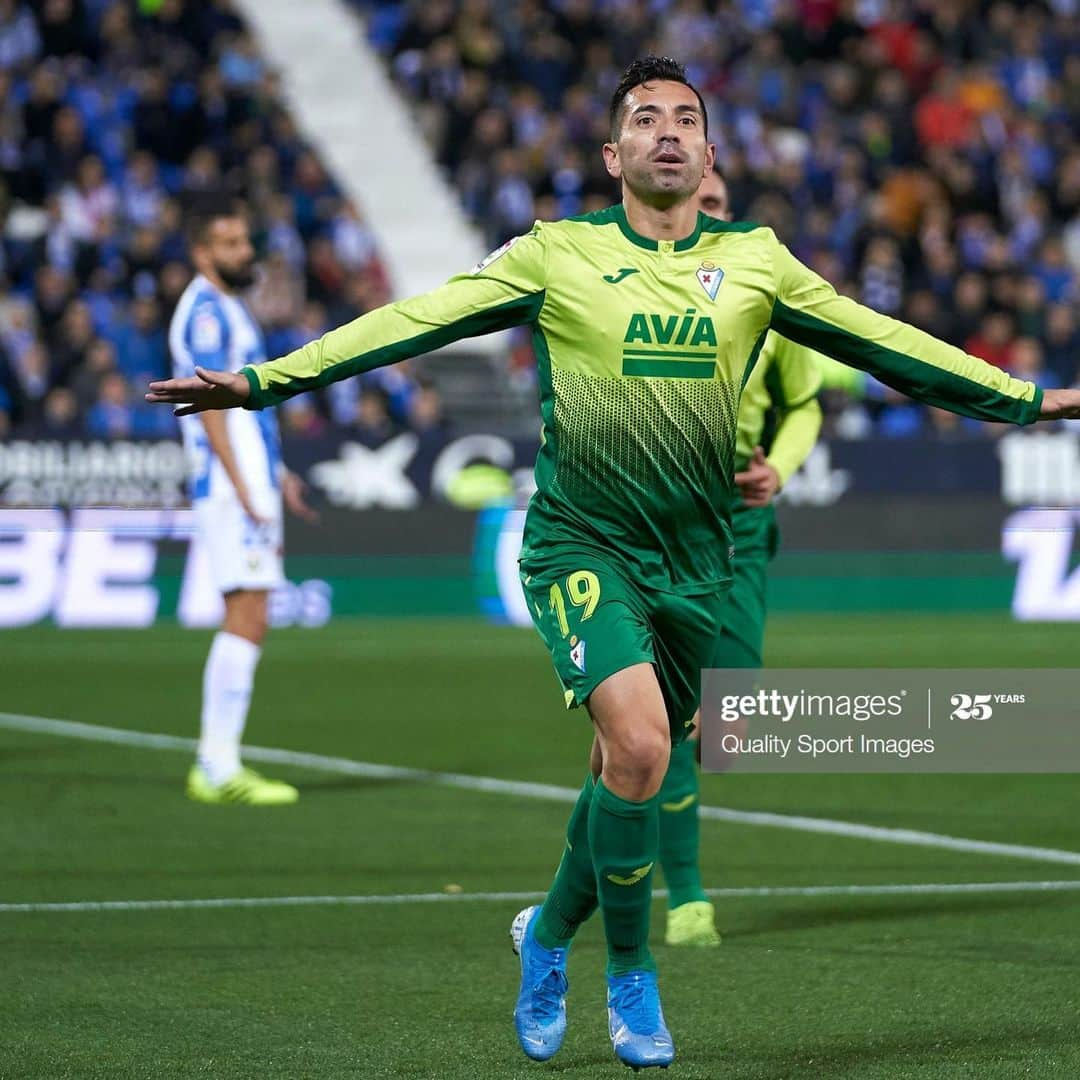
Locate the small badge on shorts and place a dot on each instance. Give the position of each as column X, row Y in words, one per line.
column 577, row 656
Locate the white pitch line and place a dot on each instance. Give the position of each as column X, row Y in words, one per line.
column 397, row 899
column 522, row 789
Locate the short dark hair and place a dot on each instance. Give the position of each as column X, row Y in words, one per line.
column 202, row 208
column 650, row 69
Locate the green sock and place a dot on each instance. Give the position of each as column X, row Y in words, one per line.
column 623, row 837
column 572, row 897
column 680, row 827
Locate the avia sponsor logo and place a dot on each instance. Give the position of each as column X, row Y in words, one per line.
column 1040, row 468
column 670, row 346
column 687, row 329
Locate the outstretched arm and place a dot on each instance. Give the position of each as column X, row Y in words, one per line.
column 505, row 290
column 809, row 311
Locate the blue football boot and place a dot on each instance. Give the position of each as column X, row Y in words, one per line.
column 540, row 1013
column 636, row 1021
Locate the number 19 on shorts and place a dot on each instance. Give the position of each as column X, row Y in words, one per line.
column 582, row 589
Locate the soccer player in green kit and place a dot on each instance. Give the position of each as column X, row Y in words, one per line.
column 647, row 318
column 785, row 380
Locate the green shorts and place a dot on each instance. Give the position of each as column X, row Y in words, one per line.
column 595, row 621
column 742, row 639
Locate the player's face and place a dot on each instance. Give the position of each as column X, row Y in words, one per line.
column 713, row 197
column 661, row 153
column 227, row 251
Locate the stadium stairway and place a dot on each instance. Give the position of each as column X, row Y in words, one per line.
column 348, row 107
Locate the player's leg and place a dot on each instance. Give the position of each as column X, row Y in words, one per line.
column 591, row 622
column 542, row 935
column 585, row 613
column 228, row 680
column 572, row 896
column 631, row 720
column 681, row 654
column 246, row 562
column 690, row 916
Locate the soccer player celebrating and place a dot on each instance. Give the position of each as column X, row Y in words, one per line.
column 647, row 318
column 237, row 484
column 784, row 381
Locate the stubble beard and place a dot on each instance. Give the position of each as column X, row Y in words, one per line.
column 663, row 189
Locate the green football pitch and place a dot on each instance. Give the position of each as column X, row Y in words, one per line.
column 843, row 956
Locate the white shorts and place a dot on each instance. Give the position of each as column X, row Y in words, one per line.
column 242, row 554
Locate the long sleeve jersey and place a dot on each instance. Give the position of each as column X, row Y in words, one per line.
column 643, row 348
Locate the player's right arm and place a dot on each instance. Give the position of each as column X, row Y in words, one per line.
column 506, row 289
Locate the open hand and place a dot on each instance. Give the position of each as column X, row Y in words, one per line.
column 206, row 390
column 759, row 482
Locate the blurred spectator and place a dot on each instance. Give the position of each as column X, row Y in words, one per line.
column 112, row 416
column 86, row 381
column 32, row 378
column 301, row 417
column 426, row 410
column 993, row 341
column 59, row 418
column 1061, row 341
column 140, row 344
column 1026, row 362
column 19, row 38
column 73, row 338
column 371, row 422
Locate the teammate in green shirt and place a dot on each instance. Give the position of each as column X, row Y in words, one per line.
column 785, row 380
column 647, row 318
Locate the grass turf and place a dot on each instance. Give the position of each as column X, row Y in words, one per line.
column 897, row 986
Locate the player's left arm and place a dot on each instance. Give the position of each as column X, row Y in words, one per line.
column 809, row 311
column 793, row 382
column 792, row 379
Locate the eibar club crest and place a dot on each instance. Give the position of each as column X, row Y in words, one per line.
column 710, row 275
column 577, row 655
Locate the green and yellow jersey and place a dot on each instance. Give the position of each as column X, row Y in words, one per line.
column 643, row 349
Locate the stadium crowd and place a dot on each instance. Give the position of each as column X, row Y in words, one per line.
column 922, row 156
column 111, row 113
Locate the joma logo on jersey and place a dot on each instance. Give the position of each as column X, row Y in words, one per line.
column 686, row 329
